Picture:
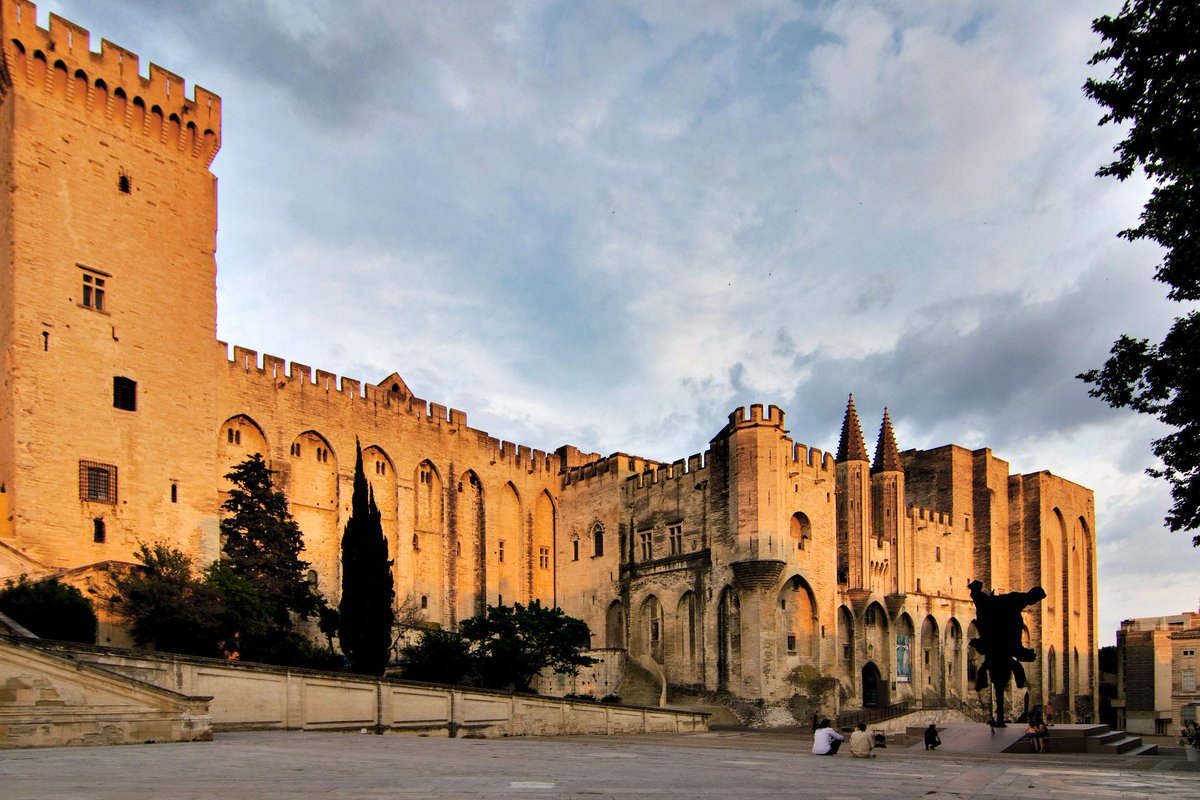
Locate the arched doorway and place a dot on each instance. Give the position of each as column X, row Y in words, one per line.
column 614, row 626
column 874, row 690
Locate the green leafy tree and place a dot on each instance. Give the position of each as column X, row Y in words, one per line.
column 1154, row 89
column 262, row 545
column 50, row 609
column 437, row 656
column 168, row 606
column 367, row 591
column 510, row 645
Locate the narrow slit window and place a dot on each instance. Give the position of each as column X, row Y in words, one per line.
column 99, row 534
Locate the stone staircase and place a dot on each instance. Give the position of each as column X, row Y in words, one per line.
column 1097, row 739
column 639, row 687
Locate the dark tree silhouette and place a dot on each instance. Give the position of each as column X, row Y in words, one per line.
column 1155, row 91
column 367, row 589
column 50, row 609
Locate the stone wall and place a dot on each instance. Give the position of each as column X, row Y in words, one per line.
column 260, row 697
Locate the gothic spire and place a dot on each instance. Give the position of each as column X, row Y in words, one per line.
column 887, row 455
column 851, row 446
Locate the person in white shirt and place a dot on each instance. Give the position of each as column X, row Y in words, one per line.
column 826, row 740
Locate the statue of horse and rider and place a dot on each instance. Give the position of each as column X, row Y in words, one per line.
column 998, row 619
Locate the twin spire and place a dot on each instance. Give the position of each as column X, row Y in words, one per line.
column 851, row 446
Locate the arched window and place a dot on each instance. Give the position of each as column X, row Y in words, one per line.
column 801, row 530
column 598, row 539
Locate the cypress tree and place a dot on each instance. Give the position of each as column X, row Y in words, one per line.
column 367, row 591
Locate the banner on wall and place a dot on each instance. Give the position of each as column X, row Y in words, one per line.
column 903, row 658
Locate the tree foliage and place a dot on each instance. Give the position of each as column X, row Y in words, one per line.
column 245, row 606
column 262, row 543
column 168, row 606
column 503, row 648
column 1155, row 90
column 50, row 609
column 438, row 657
column 366, row 614
column 510, row 645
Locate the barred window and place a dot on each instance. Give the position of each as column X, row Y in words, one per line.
column 97, row 482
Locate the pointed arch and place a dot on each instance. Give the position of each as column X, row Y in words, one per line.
column 729, row 639
column 470, row 536
column 381, row 475
column 798, row 622
column 100, row 98
column 686, row 638
column 310, row 481
column 903, row 655
column 801, row 530
column 79, row 89
column 650, row 628
column 505, row 552
column 932, row 660
column 614, row 625
column 845, row 650
column 544, row 528
column 955, row 672
column 120, row 102
column 876, row 639
column 428, row 498
column 974, row 659
column 238, row 438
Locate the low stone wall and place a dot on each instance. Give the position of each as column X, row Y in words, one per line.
column 260, row 697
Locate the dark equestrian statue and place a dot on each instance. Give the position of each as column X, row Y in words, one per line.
column 998, row 618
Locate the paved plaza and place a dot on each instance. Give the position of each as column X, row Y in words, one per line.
column 724, row 764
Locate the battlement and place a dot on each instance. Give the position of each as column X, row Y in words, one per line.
column 693, row 468
column 739, row 418
column 613, row 466
column 106, row 86
column 278, row 374
column 814, row 459
column 927, row 518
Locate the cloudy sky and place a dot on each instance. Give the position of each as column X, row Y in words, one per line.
column 608, row 224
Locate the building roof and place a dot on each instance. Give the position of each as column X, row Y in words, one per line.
column 887, row 455
column 851, row 447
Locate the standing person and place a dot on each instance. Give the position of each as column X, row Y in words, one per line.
column 860, row 742
column 826, row 740
column 931, row 737
column 812, row 723
column 1034, row 735
column 1043, row 736
column 1049, row 712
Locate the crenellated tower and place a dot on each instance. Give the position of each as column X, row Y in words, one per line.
column 107, row 298
column 853, row 502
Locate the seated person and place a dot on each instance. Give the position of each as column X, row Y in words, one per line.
column 826, row 740
column 860, row 743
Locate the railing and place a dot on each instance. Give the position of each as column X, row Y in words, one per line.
column 878, row 714
column 868, row 716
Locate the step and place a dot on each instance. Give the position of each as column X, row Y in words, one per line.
column 1144, row 750
column 1113, row 747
